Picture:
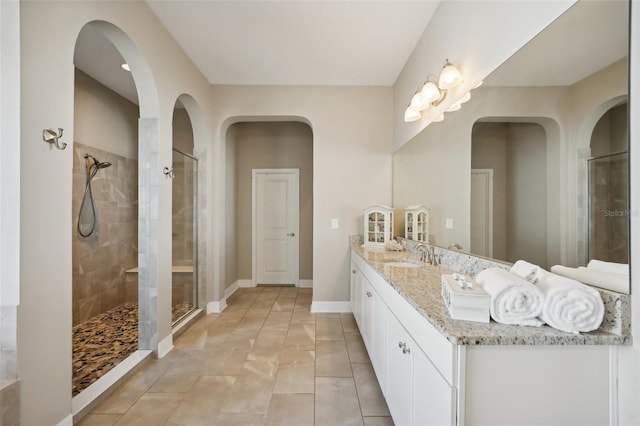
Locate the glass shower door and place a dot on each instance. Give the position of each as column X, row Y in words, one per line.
column 609, row 208
column 184, row 298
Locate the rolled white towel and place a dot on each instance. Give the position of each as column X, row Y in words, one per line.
column 569, row 305
column 607, row 280
column 527, row 271
column 513, row 300
column 616, row 268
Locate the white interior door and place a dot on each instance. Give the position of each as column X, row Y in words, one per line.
column 482, row 212
column 275, row 234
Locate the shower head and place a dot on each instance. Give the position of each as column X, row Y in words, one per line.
column 97, row 164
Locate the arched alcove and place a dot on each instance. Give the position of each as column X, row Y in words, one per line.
column 138, row 164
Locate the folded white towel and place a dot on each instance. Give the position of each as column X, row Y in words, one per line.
column 569, row 305
column 607, row 280
column 513, row 300
column 616, row 268
column 527, row 271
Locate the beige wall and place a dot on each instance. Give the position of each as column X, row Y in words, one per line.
column 182, row 131
column 351, row 162
column 265, row 145
column 104, row 119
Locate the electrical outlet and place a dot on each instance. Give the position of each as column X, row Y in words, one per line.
column 334, row 223
column 449, row 223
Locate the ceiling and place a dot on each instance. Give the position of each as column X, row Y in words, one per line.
column 351, row 43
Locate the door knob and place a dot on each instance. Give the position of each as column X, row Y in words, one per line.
column 291, row 234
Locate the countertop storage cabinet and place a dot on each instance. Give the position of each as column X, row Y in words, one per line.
column 378, row 225
column 416, row 223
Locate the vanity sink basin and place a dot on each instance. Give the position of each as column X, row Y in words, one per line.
column 404, row 263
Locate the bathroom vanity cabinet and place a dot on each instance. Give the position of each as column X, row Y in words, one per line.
column 430, row 377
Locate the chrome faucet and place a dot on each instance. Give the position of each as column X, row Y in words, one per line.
column 421, row 249
column 455, row 246
column 431, row 255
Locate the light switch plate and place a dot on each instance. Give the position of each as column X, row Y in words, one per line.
column 449, row 223
column 334, row 223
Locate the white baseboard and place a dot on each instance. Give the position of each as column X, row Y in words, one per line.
column 67, row 421
column 245, row 283
column 216, row 307
column 231, row 289
column 305, row 283
column 165, row 346
column 330, row 307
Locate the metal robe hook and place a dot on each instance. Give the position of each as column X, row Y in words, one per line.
column 53, row 137
column 168, row 172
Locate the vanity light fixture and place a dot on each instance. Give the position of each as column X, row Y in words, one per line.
column 449, row 76
column 125, row 67
column 434, row 91
column 411, row 114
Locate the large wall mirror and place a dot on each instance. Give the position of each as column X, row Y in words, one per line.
column 534, row 166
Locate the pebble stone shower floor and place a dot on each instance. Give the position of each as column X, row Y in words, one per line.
column 100, row 343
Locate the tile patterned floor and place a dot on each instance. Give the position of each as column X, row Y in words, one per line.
column 102, row 342
column 266, row 360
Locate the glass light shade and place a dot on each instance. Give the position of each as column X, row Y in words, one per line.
column 478, row 84
column 418, row 103
column 430, row 92
column 411, row 114
column 465, row 98
column 438, row 118
column 125, row 67
column 454, row 107
column 449, row 77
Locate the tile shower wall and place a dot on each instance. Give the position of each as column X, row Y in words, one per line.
column 100, row 260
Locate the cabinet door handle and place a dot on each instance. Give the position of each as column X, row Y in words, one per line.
column 291, row 234
column 369, row 294
column 406, row 350
column 353, row 271
column 402, row 345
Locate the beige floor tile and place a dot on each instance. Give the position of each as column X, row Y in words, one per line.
column 301, row 335
column 378, row 421
column 201, row 405
column 332, row 359
column 297, row 356
column 99, row 419
column 329, row 328
column 336, row 402
column 357, row 349
column 295, row 378
column 253, row 389
column 372, row 402
column 288, row 291
column 240, row 419
column 277, row 321
column 349, row 324
column 151, row 409
column 226, row 363
column 291, row 410
column 284, row 304
column 303, row 316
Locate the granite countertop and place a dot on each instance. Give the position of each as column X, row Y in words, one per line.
column 421, row 288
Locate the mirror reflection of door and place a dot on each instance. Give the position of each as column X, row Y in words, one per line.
column 517, row 154
column 276, row 196
column 608, row 188
column 482, row 208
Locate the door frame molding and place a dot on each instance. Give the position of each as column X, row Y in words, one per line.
column 254, row 224
column 488, row 173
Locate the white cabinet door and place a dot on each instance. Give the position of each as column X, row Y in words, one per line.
column 399, row 375
column 379, row 345
column 354, row 288
column 356, row 294
column 368, row 313
column 433, row 398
